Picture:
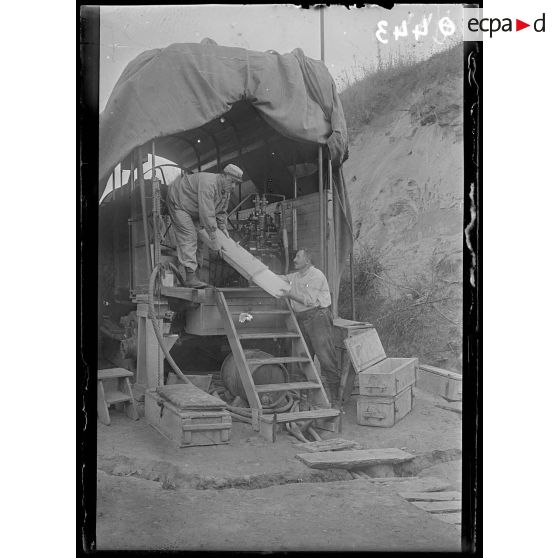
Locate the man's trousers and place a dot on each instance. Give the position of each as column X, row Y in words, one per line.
column 186, row 237
column 317, row 328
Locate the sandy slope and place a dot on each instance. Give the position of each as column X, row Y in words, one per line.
column 404, row 175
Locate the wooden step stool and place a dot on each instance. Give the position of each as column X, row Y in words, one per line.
column 110, row 396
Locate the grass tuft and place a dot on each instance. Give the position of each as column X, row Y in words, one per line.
column 419, row 316
column 370, row 93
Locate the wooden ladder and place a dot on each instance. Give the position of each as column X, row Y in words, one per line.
column 273, row 310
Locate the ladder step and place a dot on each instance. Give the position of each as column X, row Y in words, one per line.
column 233, row 292
column 109, row 373
column 240, row 290
column 116, row 397
column 302, row 415
column 260, row 388
column 261, row 312
column 267, row 334
column 276, row 360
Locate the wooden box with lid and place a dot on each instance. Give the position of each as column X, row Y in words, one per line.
column 188, row 416
column 383, row 381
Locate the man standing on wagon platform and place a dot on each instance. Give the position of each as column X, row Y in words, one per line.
column 203, row 199
column 311, row 303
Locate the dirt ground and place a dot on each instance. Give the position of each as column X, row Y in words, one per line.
column 254, row 495
column 351, row 515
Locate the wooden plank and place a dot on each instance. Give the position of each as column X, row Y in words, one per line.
column 335, row 444
column 441, row 372
column 439, row 507
column 302, row 415
column 267, row 334
column 431, row 496
column 354, row 458
column 262, row 388
column 131, row 409
column 243, row 290
column 195, row 427
column 365, row 349
column 389, row 480
column 260, row 312
column 346, row 383
column 188, row 396
column 109, row 373
column 102, row 409
column 453, row 518
column 342, row 329
column 245, row 263
column 150, row 355
column 187, row 293
column 276, row 360
column 422, row 484
column 112, row 397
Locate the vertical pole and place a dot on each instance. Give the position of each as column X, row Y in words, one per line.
column 131, row 227
column 322, row 44
column 295, row 195
column 156, row 208
column 131, row 179
column 332, row 247
column 321, row 196
column 352, row 272
column 149, row 264
column 114, row 233
column 323, row 240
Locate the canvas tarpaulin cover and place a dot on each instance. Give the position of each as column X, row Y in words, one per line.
column 184, row 86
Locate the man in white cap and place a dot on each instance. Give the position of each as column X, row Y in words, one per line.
column 199, row 199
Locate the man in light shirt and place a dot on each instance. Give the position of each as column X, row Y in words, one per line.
column 311, row 303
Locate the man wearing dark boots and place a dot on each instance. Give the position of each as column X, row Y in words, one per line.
column 202, row 200
column 311, row 303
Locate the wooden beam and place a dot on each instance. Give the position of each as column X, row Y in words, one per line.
column 354, row 458
column 239, row 357
column 144, row 212
column 439, row 507
column 197, row 296
column 431, row 496
column 302, row 415
column 321, row 209
column 335, row 444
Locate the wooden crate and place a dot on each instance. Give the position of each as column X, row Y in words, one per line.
column 388, row 377
column 343, row 329
column 440, row 382
column 365, row 349
column 384, row 411
column 379, row 375
column 187, row 427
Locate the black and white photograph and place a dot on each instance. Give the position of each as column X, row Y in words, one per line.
column 287, row 281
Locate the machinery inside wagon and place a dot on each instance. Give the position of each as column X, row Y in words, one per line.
column 218, row 288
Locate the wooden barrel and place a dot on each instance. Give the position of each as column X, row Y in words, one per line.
column 261, row 374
